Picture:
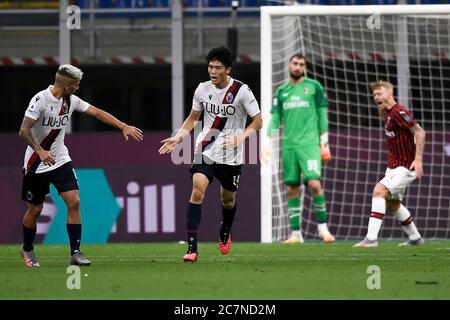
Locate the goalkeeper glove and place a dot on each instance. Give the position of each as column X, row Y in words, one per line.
column 325, row 153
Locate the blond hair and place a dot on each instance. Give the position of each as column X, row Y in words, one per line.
column 381, row 84
column 70, row 71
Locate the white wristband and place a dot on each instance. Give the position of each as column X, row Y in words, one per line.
column 324, row 138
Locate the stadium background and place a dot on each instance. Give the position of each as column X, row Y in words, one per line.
column 133, row 82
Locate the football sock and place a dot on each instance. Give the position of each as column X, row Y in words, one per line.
column 294, row 211
column 28, row 238
column 320, row 208
column 296, row 233
column 74, row 232
column 194, row 215
column 227, row 222
column 376, row 218
column 322, row 228
column 404, row 217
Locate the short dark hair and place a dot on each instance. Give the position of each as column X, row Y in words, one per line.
column 222, row 54
column 298, row 56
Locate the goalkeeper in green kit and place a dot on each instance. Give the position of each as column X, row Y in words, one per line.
column 303, row 107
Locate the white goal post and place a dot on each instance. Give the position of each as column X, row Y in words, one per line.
column 346, row 48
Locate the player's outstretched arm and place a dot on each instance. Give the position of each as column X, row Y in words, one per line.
column 170, row 143
column 127, row 130
column 25, row 133
column 417, row 164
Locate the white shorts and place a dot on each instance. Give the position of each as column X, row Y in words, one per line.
column 396, row 180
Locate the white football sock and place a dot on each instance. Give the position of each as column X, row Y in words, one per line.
column 322, row 228
column 376, row 218
column 404, row 217
column 296, row 233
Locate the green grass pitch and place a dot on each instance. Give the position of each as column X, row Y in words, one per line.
column 313, row 270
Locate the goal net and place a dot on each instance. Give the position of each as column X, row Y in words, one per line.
column 347, row 47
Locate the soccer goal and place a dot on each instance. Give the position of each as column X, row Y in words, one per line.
column 347, row 47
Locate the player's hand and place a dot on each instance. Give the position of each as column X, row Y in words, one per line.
column 231, row 143
column 169, row 144
column 266, row 153
column 133, row 132
column 417, row 166
column 46, row 157
column 325, row 153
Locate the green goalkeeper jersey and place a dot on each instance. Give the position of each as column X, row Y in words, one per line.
column 303, row 110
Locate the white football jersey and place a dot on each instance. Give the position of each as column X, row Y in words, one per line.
column 52, row 116
column 225, row 116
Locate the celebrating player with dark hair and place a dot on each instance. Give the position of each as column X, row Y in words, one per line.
column 225, row 102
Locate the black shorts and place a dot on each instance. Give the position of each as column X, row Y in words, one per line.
column 36, row 186
column 227, row 175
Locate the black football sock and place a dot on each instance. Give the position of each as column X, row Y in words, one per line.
column 227, row 222
column 28, row 238
column 74, row 232
column 193, row 215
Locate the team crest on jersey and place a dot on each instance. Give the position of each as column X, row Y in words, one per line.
column 64, row 108
column 229, row 97
column 305, row 90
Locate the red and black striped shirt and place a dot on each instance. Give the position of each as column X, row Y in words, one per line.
column 399, row 138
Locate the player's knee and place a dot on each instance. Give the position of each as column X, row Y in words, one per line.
column 228, row 203
column 293, row 191
column 197, row 195
column 74, row 204
column 380, row 191
column 35, row 209
column 315, row 187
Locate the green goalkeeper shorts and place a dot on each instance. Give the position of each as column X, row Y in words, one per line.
column 304, row 161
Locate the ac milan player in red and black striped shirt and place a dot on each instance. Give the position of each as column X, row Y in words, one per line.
column 405, row 141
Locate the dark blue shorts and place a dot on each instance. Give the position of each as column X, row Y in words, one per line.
column 36, row 186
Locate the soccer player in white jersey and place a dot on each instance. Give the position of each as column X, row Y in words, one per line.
column 47, row 159
column 225, row 103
